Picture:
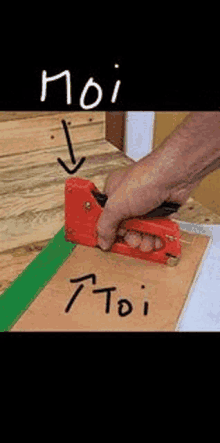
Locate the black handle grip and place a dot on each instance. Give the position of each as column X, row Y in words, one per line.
column 165, row 209
column 101, row 198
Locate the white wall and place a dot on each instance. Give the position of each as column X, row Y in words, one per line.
column 138, row 133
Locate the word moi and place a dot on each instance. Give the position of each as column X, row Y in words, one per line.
column 90, row 83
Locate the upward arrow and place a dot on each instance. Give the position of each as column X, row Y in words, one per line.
column 71, row 153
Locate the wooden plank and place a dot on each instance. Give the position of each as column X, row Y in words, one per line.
column 28, row 135
column 33, row 209
column 151, row 295
column 32, row 189
column 194, row 212
column 50, row 120
column 14, row 262
column 17, row 115
column 37, row 168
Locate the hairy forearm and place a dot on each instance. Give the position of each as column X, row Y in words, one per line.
column 189, row 154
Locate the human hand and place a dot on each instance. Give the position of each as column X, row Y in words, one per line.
column 168, row 174
column 130, row 195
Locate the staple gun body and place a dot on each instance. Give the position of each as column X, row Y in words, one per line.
column 83, row 207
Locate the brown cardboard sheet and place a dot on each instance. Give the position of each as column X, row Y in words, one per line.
column 122, row 293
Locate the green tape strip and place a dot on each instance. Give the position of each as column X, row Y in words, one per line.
column 22, row 292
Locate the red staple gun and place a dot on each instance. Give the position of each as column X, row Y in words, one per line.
column 83, row 207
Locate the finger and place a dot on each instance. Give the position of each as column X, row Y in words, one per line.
column 147, row 243
column 121, row 232
column 158, row 243
column 133, row 239
column 107, row 229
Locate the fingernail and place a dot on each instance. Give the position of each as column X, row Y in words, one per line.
column 103, row 245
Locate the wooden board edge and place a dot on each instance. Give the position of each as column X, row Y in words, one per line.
column 26, row 287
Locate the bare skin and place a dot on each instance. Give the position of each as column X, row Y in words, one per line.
column 168, row 174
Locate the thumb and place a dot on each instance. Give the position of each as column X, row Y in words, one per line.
column 114, row 179
column 107, row 228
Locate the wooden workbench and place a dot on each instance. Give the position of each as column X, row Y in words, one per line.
column 32, row 181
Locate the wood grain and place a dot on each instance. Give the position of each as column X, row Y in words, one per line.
column 138, row 281
column 32, row 191
column 32, row 181
column 35, row 134
column 15, row 261
column 17, row 115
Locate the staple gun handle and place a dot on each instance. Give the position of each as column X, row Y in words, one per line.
column 83, row 207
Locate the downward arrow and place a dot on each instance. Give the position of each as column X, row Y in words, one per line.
column 71, row 153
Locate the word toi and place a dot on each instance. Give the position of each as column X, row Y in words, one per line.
column 90, row 83
column 125, row 307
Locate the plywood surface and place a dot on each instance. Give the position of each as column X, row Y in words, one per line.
column 13, row 262
column 121, row 294
column 32, row 181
